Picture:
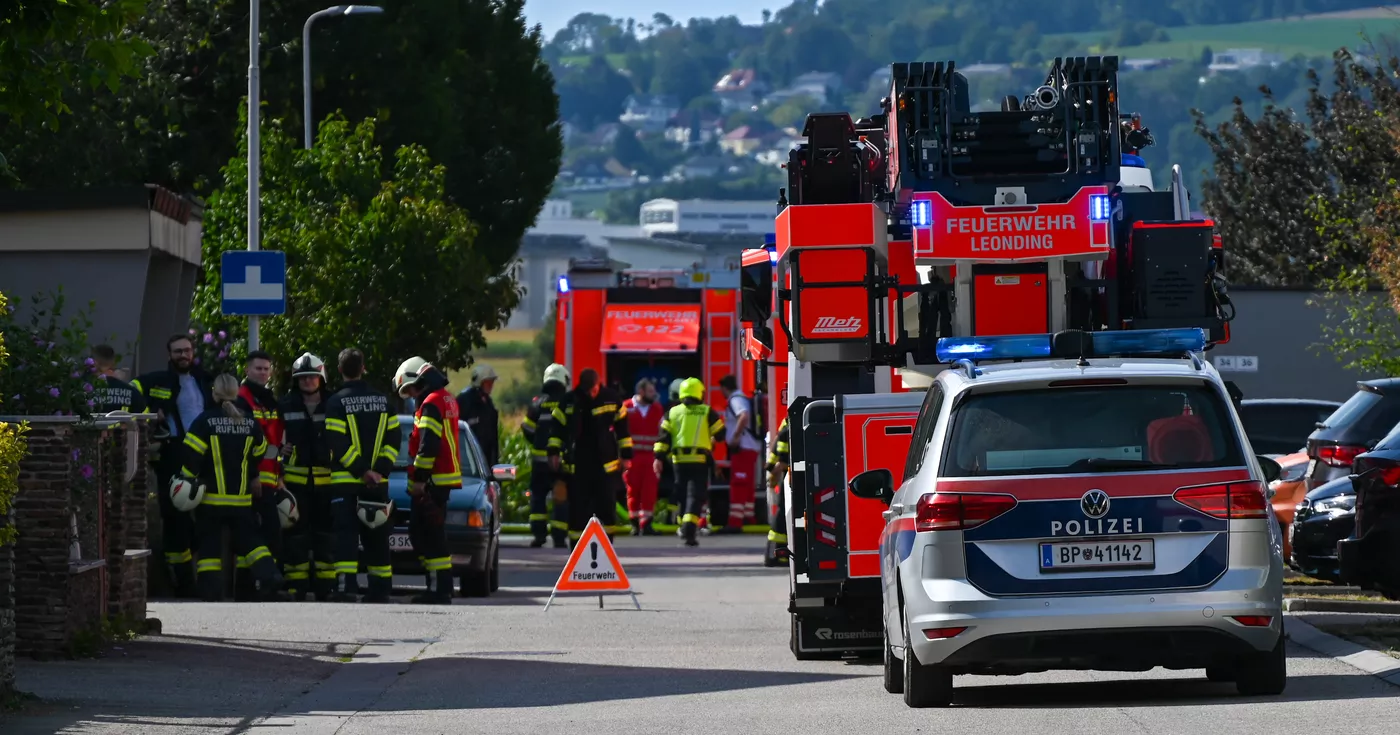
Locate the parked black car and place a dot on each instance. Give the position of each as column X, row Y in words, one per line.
column 1324, row 517
column 1279, row 426
column 1352, row 429
column 1370, row 556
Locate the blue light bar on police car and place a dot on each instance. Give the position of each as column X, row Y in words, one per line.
column 563, row 284
column 1148, row 341
column 921, row 213
column 1003, row 347
column 1100, row 207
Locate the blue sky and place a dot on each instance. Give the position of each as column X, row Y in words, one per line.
column 553, row 14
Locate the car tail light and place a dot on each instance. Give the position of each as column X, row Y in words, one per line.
column 1339, row 455
column 1254, row 621
column 1226, row 500
column 958, row 511
column 1390, row 475
column 938, row 634
column 475, row 520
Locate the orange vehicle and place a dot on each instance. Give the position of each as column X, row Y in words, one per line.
column 1288, row 490
column 928, row 220
column 667, row 325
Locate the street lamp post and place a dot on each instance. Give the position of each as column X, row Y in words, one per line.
column 306, row 53
column 254, row 151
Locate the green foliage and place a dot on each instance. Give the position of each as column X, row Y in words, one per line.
column 538, row 355
column 514, row 350
column 48, row 371
column 386, row 263
column 515, row 494
column 48, row 47
column 13, row 446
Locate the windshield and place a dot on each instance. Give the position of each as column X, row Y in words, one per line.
column 1090, row 429
column 1351, row 411
column 469, row 464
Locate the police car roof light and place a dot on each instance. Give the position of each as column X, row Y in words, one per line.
column 1148, row 342
column 1071, row 344
column 1002, row 347
column 563, row 284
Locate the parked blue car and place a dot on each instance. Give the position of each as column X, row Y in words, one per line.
column 473, row 516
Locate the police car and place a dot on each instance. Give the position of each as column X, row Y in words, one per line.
column 1092, row 503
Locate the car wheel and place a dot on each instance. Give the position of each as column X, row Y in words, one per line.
column 496, row 568
column 1220, row 673
column 894, row 669
column 1263, row 674
column 924, row 686
column 475, row 584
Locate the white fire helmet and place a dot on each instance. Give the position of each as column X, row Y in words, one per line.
column 185, row 495
column 287, row 510
column 482, row 373
column 374, row 514
column 408, row 373
column 558, row 374
column 308, row 365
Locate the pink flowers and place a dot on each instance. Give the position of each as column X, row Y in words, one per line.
column 87, row 472
column 54, row 392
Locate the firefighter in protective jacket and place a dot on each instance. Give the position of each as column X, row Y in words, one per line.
column 688, row 436
column 364, row 436
column 480, row 413
column 222, row 451
column 307, row 473
column 255, row 399
column 592, row 426
column 777, row 551
column 547, row 478
column 436, row 471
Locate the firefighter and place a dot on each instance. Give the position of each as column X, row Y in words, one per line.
column 222, row 450
column 437, row 471
column 178, row 395
column 479, row 411
column 363, row 434
column 592, row 425
column 665, row 479
column 745, row 448
column 256, row 400
column 307, row 473
column 777, row 551
column 546, row 476
column 111, row 393
column 687, row 436
column 644, row 415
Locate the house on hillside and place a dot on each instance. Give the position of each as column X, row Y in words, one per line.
column 692, row 127
column 648, row 113
column 742, row 141
column 738, row 89
column 700, row 167
column 819, row 85
column 1147, row 64
column 1238, row 59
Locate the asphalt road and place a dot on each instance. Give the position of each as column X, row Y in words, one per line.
column 706, row 654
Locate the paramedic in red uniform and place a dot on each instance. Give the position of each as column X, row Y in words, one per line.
column 257, row 401
column 644, row 416
column 744, row 450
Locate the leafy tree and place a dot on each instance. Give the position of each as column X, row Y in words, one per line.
column 380, row 260
column 592, row 93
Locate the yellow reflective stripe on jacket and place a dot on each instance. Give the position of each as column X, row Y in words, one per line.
column 195, row 443
column 390, row 453
column 227, row 501
column 447, row 480
column 611, row 466
column 336, row 425
column 429, row 423
column 159, row 392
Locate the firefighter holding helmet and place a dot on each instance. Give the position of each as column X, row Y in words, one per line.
column 363, row 434
column 307, row 474
column 591, row 424
column 547, row 478
column 436, row 471
column 688, row 435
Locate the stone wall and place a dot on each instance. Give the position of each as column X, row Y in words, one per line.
column 7, row 619
column 127, row 547
column 43, row 519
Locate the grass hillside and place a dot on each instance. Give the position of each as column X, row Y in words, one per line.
column 505, row 352
column 1318, row 36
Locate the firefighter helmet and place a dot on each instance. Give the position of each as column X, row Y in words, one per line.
column 374, row 514
column 482, row 373
column 287, row 511
column 675, row 390
column 308, row 365
column 692, row 388
column 185, row 495
column 409, row 373
column 557, row 373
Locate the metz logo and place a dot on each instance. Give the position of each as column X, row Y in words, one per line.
column 834, row 325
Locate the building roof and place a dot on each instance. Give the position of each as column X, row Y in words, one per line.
column 148, row 196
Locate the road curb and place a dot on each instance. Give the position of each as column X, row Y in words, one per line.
column 1377, row 664
column 1314, row 604
column 1320, row 590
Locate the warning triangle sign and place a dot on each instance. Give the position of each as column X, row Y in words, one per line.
column 593, row 565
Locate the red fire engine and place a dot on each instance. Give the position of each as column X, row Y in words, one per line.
column 929, row 220
column 666, row 325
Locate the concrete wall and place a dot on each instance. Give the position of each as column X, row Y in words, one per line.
column 1285, row 334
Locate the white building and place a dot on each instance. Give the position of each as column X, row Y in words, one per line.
column 1238, row 59
column 704, row 216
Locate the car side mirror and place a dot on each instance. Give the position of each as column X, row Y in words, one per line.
column 1272, row 470
column 503, row 472
column 874, row 485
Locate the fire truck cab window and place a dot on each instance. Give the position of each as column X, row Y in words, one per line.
column 1091, row 429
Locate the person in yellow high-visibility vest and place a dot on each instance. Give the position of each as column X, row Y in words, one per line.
column 687, row 435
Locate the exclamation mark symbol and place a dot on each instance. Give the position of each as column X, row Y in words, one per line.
column 593, row 547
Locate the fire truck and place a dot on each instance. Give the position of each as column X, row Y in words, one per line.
column 929, row 220
column 663, row 324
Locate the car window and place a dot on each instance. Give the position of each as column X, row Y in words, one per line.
column 923, row 430
column 471, row 457
column 1350, row 412
column 1090, row 429
column 1281, row 427
column 1391, row 440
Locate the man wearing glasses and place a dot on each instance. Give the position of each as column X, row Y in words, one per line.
column 178, row 395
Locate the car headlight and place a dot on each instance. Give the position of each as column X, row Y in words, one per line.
column 457, row 517
column 1335, row 504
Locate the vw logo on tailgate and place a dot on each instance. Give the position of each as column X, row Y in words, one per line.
column 1094, row 503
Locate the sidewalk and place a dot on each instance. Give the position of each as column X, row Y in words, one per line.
column 170, row 685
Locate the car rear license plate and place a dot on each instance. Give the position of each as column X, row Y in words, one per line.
column 1081, row 555
column 400, row 542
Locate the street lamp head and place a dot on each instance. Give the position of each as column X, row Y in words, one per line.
column 363, row 9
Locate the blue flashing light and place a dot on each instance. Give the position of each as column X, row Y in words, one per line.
column 1004, row 347
column 772, row 256
column 1133, row 161
column 1100, row 207
column 921, row 213
column 1149, row 341
column 563, row 284
column 770, row 239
